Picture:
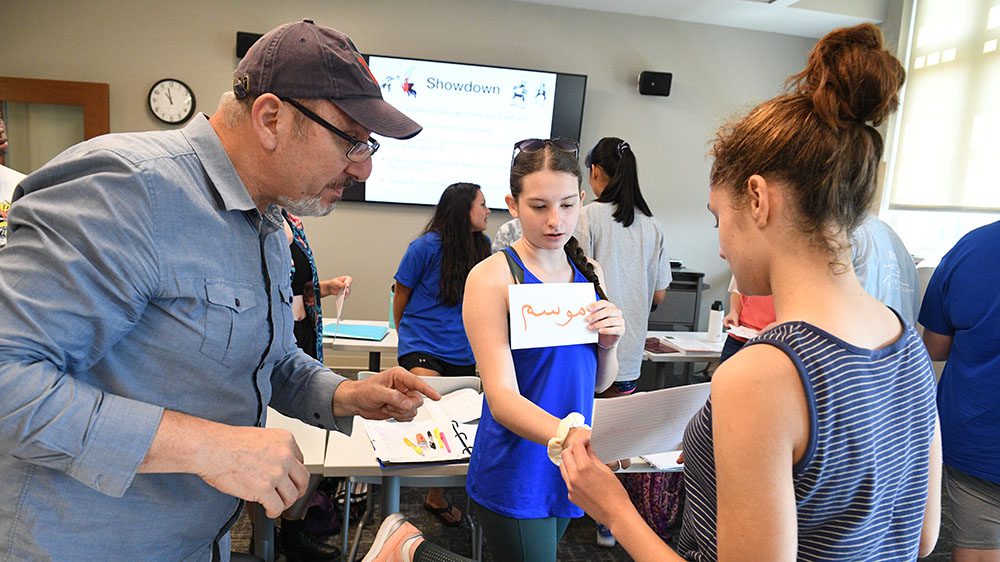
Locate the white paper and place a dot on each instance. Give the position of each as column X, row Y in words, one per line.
column 388, row 437
column 745, row 332
column 665, row 462
column 550, row 314
column 646, row 422
column 692, row 344
column 464, row 405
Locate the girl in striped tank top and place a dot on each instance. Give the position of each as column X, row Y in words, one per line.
column 819, row 440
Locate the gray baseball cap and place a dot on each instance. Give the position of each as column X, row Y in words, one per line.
column 309, row 61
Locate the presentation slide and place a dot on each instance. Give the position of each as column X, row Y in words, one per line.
column 472, row 116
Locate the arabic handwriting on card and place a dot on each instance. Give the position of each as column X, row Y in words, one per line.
column 528, row 310
column 550, row 314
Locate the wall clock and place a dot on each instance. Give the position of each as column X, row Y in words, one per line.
column 171, row 101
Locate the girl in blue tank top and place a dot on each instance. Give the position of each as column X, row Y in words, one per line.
column 819, row 439
column 518, row 492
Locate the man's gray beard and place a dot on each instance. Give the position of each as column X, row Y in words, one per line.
column 308, row 207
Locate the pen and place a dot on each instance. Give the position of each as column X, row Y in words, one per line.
column 412, row 446
column 444, row 441
column 430, row 438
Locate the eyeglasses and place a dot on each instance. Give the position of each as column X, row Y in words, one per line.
column 360, row 150
column 534, row 145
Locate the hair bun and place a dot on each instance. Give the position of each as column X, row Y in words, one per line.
column 850, row 77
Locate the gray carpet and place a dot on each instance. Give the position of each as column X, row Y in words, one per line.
column 578, row 544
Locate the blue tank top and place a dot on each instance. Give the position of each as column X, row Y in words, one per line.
column 861, row 486
column 510, row 475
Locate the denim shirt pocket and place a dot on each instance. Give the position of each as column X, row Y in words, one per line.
column 285, row 336
column 228, row 314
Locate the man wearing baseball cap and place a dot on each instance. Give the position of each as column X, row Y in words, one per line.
column 145, row 323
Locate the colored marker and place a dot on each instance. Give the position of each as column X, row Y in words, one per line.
column 437, row 433
column 412, row 446
column 445, row 441
column 421, row 441
column 430, row 438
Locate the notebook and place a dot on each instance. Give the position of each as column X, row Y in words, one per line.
column 439, row 433
column 355, row 331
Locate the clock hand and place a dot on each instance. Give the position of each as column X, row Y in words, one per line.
column 170, row 98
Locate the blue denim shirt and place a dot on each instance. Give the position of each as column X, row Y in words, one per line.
column 139, row 276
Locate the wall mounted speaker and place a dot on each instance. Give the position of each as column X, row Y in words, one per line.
column 244, row 40
column 654, row 83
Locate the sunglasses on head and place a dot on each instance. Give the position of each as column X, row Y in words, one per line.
column 534, row 145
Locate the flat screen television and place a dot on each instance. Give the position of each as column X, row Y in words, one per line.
column 472, row 115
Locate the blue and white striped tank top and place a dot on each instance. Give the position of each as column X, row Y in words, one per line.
column 861, row 486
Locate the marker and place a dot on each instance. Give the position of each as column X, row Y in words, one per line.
column 437, row 433
column 412, row 446
column 430, row 438
column 445, row 441
column 421, row 441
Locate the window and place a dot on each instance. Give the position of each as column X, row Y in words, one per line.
column 944, row 177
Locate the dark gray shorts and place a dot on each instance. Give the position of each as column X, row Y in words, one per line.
column 975, row 509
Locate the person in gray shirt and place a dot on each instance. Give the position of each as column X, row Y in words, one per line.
column 145, row 318
column 619, row 231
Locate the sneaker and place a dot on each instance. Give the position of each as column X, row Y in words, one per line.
column 604, row 537
column 393, row 540
column 298, row 544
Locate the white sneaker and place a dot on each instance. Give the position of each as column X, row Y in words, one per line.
column 604, row 537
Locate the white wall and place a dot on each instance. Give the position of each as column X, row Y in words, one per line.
column 717, row 72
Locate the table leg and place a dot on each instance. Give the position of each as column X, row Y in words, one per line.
column 374, row 361
column 390, row 495
column 661, row 375
column 263, row 533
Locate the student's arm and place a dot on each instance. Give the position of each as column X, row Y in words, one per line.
column 659, row 296
column 400, row 298
column 335, row 285
column 760, row 425
column 597, row 490
column 607, row 320
column 484, row 313
column 938, row 345
column 735, row 307
column 932, row 512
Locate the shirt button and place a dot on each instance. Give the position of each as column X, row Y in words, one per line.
column 316, row 415
column 237, row 302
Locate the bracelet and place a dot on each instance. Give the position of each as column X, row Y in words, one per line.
column 555, row 446
column 608, row 348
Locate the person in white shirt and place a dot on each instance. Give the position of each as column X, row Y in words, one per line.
column 8, row 181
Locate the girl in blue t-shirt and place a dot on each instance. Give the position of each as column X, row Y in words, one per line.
column 427, row 301
column 535, row 397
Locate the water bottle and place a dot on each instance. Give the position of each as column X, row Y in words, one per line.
column 715, row 315
column 392, row 320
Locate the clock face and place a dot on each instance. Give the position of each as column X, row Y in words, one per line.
column 171, row 101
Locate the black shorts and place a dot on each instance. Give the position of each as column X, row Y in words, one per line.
column 428, row 361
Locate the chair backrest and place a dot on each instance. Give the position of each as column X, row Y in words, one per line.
column 444, row 385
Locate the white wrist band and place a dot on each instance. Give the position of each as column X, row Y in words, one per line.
column 555, row 447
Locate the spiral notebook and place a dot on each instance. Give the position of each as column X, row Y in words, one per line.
column 439, row 433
